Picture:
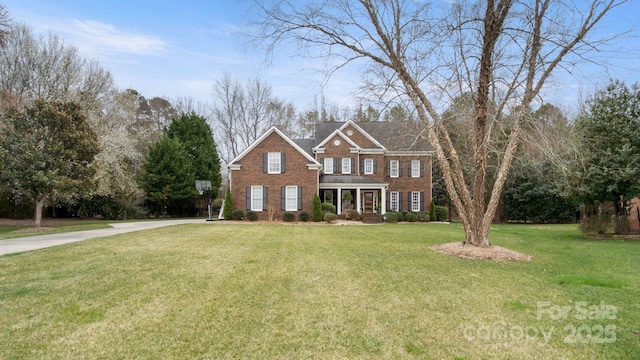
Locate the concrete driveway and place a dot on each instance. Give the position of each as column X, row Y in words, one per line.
column 28, row 243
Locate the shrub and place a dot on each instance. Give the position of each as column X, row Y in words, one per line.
column 392, row 217
column 317, row 209
column 252, row 215
column 237, row 214
column 303, row 216
column 423, row 216
column 442, row 213
column 353, row 214
column 288, row 216
column 400, row 216
column 432, row 211
column 227, row 212
column 411, row 217
column 596, row 224
column 330, row 217
column 328, row 207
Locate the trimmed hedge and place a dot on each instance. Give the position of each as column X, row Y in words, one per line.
column 237, row 214
column 288, row 216
column 304, row 216
column 353, row 214
column 411, row 217
column 442, row 213
column 330, row 217
column 252, row 215
column 328, row 207
column 392, row 217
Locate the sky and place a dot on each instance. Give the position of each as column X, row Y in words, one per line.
column 180, row 48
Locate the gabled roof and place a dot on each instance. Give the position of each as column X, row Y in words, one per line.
column 366, row 134
column 274, row 129
column 339, row 133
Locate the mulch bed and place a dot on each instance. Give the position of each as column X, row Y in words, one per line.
column 493, row 252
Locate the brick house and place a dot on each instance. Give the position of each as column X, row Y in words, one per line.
column 371, row 167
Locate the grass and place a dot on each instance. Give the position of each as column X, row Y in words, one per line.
column 274, row 291
column 10, row 232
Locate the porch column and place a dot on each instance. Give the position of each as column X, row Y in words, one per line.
column 358, row 200
column 383, row 198
column 339, row 209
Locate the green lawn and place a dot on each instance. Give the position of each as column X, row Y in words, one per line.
column 10, row 232
column 290, row 292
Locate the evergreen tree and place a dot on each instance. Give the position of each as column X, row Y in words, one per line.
column 196, row 136
column 168, row 174
column 317, row 209
column 228, row 205
column 432, row 211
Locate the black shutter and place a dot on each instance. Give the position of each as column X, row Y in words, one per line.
column 337, row 162
column 409, row 203
column 283, row 198
column 283, row 162
column 248, row 197
column 353, row 165
column 265, row 163
column 399, row 168
column 421, row 200
column 421, row 168
column 387, row 169
column 299, row 197
column 361, row 166
column 410, row 173
column 264, row 198
column 375, row 166
column 388, row 200
column 399, row 201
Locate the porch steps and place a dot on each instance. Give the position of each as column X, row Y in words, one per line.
column 368, row 218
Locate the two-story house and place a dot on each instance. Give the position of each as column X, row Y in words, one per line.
column 370, row 167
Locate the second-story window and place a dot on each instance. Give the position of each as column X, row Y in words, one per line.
column 368, row 166
column 415, row 168
column 346, row 165
column 328, row 165
column 394, row 168
column 274, row 162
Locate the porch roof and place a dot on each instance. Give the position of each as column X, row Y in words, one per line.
column 349, row 179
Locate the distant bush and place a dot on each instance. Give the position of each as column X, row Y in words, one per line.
column 304, row 216
column 288, row 216
column 392, row 217
column 411, row 217
column 442, row 213
column 252, row 215
column 400, row 216
column 423, row 216
column 353, row 214
column 317, row 209
column 227, row 211
column 330, row 217
column 328, row 207
column 237, row 214
column 596, row 224
column 432, row 211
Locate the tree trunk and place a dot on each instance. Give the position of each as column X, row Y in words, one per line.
column 38, row 211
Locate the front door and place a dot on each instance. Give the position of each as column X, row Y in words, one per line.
column 368, row 201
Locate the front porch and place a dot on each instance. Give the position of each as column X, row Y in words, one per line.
column 345, row 192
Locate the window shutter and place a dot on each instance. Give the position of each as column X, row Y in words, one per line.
column 361, row 166
column 264, row 198
column 388, row 200
column 248, row 196
column 387, row 169
column 283, row 162
column 353, row 165
column 322, row 162
column 299, row 197
column 421, row 168
column 410, row 163
column 375, row 166
column 409, row 204
column 337, row 163
column 399, row 201
column 421, row 200
column 265, row 162
column 283, row 198
column 399, row 168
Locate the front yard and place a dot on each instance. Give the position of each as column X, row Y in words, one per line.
column 273, row 291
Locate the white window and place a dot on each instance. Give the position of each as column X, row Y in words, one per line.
column 415, row 168
column 394, row 201
column 274, row 163
column 368, row 166
column 415, row 201
column 346, row 165
column 256, row 198
column 291, row 198
column 328, row 165
column 394, row 168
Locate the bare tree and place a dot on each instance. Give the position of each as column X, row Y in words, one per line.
column 242, row 113
column 500, row 51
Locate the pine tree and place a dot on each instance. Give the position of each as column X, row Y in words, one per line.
column 317, row 209
column 227, row 212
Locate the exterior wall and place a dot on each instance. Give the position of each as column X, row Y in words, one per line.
column 331, row 150
column 357, row 137
column 405, row 183
column 251, row 174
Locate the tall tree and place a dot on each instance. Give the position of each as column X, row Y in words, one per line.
column 47, row 150
column 502, row 51
column 195, row 134
column 167, row 176
column 609, row 144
